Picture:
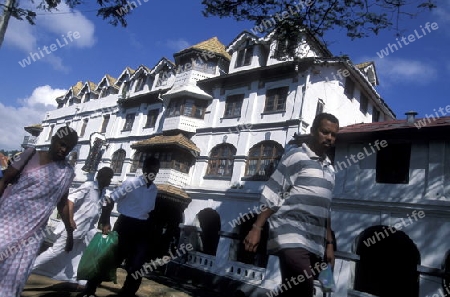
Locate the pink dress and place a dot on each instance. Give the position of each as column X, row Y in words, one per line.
column 24, row 212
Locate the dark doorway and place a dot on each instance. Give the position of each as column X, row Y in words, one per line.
column 209, row 221
column 164, row 229
column 388, row 263
column 258, row 258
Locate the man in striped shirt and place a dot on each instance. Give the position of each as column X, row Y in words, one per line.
column 296, row 202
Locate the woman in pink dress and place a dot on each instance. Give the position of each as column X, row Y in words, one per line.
column 25, row 208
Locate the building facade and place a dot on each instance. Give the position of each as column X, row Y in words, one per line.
column 219, row 118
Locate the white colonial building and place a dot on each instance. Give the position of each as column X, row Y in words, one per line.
column 219, row 118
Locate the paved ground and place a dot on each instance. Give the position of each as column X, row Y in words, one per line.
column 158, row 286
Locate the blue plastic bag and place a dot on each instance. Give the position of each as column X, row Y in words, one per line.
column 99, row 259
column 326, row 279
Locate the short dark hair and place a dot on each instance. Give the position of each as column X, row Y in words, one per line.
column 323, row 116
column 68, row 133
column 150, row 161
column 105, row 170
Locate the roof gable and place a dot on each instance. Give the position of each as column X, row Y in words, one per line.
column 141, row 70
column 212, row 45
column 106, row 81
column 126, row 74
column 240, row 39
column 88, row 87
column 164, row 62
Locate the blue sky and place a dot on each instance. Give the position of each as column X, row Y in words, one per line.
column 414, row 77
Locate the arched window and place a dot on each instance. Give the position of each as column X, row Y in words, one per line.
column 138, row 161
column 117, row 161
column 221, row 160
column 263, row 159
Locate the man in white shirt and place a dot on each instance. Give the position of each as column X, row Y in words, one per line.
column 135, row 199
column 84, row 211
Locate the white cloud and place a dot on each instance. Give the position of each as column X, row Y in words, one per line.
column 403, row 71
column 31, row 111
column 66, row 20
column 20, row 34
column 177, row 44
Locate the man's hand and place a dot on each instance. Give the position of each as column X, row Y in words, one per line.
column 106, row 228
column 252, row 239
column 330, row 254
column 69, row 241
column 73, row 225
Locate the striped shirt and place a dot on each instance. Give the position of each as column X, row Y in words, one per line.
column 299, row 192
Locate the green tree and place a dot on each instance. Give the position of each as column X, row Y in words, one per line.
column 360, row 18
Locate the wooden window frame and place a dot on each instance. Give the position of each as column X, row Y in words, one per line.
column 117, row 160
column 274, row 157
column 220, row 154
column 129, row 122
column 278, row 95
column 233, row 103
column 152, row 116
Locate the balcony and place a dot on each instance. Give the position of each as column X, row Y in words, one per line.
column 172, row 177
column 29, row 141
column 183, row 123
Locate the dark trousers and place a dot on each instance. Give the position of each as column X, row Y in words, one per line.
column 133, row 248
column 299, row 268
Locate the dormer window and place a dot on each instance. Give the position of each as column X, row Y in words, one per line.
column 285, row 47
column 363, row 103
column 104, row 92
column 140, row 83
column 244, row 57
column 349, row 88
column 86, row 97
column 125, row 89
column 375, row 115
column 163, row 78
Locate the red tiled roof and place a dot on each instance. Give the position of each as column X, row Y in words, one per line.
column 396, row 125
column 164, row 140
column 172, row 190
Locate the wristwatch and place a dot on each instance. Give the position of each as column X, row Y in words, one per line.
column 330, row 242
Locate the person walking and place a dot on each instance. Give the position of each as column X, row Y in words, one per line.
column 135, row 199
column 44, row 182
column 296, row 203
column 85, row 205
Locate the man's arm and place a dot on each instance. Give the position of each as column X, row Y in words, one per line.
column 105, row 216
column 63, row 209
column 253, row 237
column 329, row 249
column 71, row 212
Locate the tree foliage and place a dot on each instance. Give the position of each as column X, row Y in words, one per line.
column 359, row 18
column 115, row 11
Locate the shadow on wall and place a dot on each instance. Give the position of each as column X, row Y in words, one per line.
column 209, row 221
